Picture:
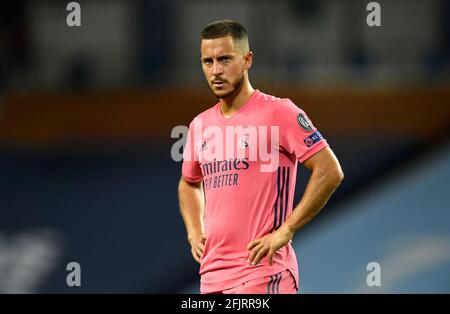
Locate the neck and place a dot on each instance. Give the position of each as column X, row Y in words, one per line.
column 235, row 101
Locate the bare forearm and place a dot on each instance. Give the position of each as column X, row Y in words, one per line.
column 325, row 178
column 321, row 186
column 192, row 204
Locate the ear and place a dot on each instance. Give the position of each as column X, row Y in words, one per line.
column 248, row 60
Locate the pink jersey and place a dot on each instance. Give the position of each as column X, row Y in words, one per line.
column 248, row 164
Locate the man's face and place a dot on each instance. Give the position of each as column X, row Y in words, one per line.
column 224, row 65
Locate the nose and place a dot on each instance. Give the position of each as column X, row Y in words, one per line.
column 217, row 68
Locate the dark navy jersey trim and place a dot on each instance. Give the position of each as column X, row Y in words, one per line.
column 276, row 201
column 287, row 195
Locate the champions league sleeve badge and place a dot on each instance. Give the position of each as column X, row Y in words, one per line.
column 304, row 122
column 313, row 139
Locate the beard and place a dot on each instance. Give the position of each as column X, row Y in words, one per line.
column 236, row 86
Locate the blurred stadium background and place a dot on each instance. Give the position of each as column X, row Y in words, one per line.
column 86, row 115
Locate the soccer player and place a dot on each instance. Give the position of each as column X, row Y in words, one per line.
column 236, row 203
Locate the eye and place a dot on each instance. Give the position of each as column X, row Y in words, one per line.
column 207, row 61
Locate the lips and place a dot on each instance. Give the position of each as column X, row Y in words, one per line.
column 218, row 83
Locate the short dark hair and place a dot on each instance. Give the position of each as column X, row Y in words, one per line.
column 224, row 28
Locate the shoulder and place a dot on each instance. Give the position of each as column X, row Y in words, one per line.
column 211, row 111
column 277, row 103
column 206, row 115
column 279, row 107
column 285, row 113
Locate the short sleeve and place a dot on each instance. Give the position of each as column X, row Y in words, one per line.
column 191, row 170
column 298, row 136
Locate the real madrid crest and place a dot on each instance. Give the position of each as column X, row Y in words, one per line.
column 304, row 122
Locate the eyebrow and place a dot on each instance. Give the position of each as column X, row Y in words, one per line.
column 221, row 57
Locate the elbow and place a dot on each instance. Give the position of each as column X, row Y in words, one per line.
column 335, row 176
column 331, row 176
column 338, row 176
